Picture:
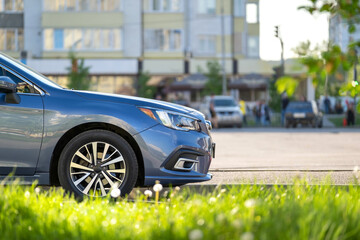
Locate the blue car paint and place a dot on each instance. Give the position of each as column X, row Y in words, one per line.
column 41, row 122
column 21, row 127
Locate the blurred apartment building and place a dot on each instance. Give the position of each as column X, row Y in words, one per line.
column 169, row 39
column 339, row 33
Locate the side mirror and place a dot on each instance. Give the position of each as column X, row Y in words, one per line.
column 8, row 86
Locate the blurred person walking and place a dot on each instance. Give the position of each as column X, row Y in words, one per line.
column 242, row 105
column 257, row 113
column 284, row 103
column 265, row 114
column 350, row 115
column 327, row 104
column 213, row 119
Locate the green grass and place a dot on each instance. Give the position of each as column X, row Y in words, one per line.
column 299, row 211
column 275, row 121
column 338, row 120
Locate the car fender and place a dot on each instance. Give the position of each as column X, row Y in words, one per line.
column 61, row 117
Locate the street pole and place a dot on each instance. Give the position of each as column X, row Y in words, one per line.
column 277, row 35
column 282, row 57
column 355, row 82
column 224, row 87
column 326, row 81
column 281, row 70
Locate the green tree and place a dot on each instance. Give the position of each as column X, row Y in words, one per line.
column 214, row 83
column 275, row 97
column 78, row 74
column 327, row 65
column 349, row 10
column 332, row 62
column 144, row 89
column 287, row 84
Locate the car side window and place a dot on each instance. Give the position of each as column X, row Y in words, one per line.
column 22, row 87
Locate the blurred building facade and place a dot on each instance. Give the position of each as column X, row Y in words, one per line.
column 339, row 33
column 169, row 39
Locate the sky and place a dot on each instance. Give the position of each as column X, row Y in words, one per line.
column 295, row 26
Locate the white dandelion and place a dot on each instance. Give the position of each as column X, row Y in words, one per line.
column 115, row 193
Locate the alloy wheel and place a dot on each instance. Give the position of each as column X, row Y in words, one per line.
column 96, row 168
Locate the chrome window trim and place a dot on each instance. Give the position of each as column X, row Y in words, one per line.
column 42, row 92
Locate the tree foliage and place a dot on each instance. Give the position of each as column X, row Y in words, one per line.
column 324, row 61
column 349, row 10
column 145, row 90
column 331, row 62
column 287, row 84
column 275, row 97
column 350, row 89
column 214, row 83
column 78, row 73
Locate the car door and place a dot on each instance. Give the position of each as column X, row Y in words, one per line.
column 21, row 127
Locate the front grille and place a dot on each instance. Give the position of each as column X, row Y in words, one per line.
column 226, row 113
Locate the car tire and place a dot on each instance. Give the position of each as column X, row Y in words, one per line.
column 81, row 174
column 313, row 123
column 287, row 123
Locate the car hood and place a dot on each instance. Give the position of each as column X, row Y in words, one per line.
column 139, row 102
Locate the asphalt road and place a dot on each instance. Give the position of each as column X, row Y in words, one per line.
column 268, row 155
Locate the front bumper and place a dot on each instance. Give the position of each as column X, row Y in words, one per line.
column 161, row 149
column 229, row 119
column 300, row 120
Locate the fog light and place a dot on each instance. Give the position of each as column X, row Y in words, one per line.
column 185, row 164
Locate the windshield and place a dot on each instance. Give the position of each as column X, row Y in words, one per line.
column 299, row 106
column 224, row 103
column 30, row 71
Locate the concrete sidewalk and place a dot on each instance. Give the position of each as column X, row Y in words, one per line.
column 282, row 177
column 327, row 123
column 287, row 149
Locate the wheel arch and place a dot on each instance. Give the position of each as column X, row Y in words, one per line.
column 54, row 178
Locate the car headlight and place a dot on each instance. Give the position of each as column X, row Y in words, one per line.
column 173, row 120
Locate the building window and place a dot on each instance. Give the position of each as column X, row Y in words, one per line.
column 11, row 39
column 238, row 43
column 58, row 39
column 165, row 5
column 82, row 5
column 82, row 39
column 109, row 84
column 206, row 6
column 12, row 5
column 88, row 5
column 239, row 8
column 251, row 13
column 245, row 94
column 206, row 44
column 163, row 40
column 109, row 5
column 253, row 46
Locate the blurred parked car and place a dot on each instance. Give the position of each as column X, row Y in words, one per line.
column 182, row 102
column 306, row 113
column 227, row 110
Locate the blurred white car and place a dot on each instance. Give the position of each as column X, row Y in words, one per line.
column 227, row 110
